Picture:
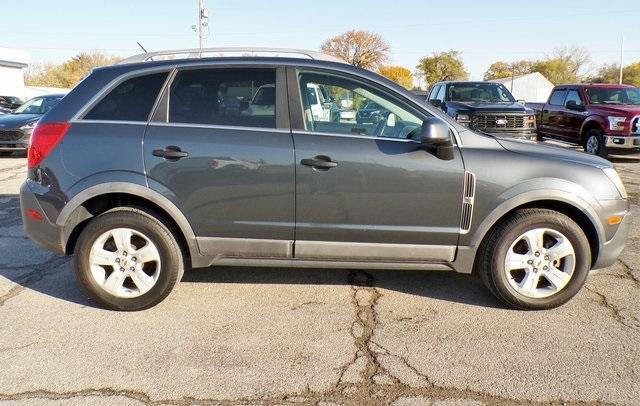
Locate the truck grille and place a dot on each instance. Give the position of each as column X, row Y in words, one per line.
column 10, row 135
column 498, row 121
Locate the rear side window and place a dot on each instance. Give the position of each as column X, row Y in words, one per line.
column 434, row 92
column 229, row 97
column 557, row 97
column 132, row 100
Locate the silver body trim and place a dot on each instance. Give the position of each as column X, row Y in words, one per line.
column 372, row 251
column 245, row 247
column 197, row 53
column 468, row 198
column 297, row 263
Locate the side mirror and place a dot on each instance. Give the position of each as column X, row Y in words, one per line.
column 436, row 133
column 391, row 120
column 572, row 105
column 436, row 103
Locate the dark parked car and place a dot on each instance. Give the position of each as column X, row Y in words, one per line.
column 140, row 172
column 484, row 106
column 10, row 102
column 16, row 127
column 371, row 113
column 600, row 117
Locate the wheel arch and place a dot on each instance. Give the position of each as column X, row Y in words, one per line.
column 105, row 196
column 593, row 122
column 570, row 201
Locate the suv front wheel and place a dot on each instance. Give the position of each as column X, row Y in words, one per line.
column 128, row 260
column 535, row 259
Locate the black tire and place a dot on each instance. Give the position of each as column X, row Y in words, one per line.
column 171, row 257
column 539, row 136
column 491, row 257
column 598, row 147
column 6, row 153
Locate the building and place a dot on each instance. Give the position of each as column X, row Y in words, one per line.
column 12, row 65
column 532, row 87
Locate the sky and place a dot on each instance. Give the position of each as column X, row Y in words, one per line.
column 483, row 30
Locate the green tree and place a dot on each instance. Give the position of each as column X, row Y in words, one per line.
column 442, row 66
column 398, row 74
column 69, row 73
column 359, row 48
column 610, row 73
column 500, row 69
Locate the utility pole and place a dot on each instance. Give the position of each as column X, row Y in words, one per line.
column 203, row 23
column 621, row 59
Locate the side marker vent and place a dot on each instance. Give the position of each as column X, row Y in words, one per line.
column 467, row 202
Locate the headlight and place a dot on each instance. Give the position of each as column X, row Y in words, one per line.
column 463, row 118
column 29, row 126
column 615, row 179
column 616, row 123
column 531, row 121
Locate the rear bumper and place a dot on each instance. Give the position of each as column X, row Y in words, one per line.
column 610, row 250
column 43, row 232
column 623, row 142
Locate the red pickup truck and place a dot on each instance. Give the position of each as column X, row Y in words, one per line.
column 600, row 117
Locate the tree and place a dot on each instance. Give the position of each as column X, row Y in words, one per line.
column 564, row 65
column 69, row 73
column 610, row 74
column 500, row 69
column 398, row 74
column 359, row 48
column 442, row 66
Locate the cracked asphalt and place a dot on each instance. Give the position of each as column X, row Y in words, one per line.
column 283, row 336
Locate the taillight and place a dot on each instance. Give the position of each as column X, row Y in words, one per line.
column 44, row 139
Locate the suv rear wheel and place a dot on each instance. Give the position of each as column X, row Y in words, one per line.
column 128, row 260
column 594, row 143
column 535, row 259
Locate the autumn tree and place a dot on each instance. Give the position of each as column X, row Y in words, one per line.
column 610, row 74
column 359, row 48
column 69, row 73
column 564, row 65
column 500, row 69
column 442, row 66
column 398, row 74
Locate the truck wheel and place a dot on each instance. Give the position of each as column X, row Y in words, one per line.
column 535, row 259
column 128, row 260
column 594, row 143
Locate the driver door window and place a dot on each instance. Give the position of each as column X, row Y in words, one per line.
column 337, row 105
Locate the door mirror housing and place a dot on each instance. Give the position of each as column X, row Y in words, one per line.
column 436, row 133
column 436, row 103
column 572, row 105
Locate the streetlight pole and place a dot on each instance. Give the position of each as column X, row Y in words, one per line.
column 621, row 59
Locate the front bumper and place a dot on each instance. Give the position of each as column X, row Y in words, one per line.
column 528, row 134
column 14, row 139
column 623, row 142
column 43, row 232
column 610, row 251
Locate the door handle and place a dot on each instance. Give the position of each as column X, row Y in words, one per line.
column 171, row 153
column 319, row 162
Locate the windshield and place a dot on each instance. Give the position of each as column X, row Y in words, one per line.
column 480, row 92
column 37, row 105
column 598, row 95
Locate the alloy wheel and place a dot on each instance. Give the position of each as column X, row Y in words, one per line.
column 540, row 263
column 124, row 262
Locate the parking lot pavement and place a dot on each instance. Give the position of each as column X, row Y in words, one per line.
column 274, row 336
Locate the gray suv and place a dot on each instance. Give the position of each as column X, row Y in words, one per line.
column 163, row 163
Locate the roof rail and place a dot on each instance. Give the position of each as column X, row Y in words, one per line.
column 197, row 53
